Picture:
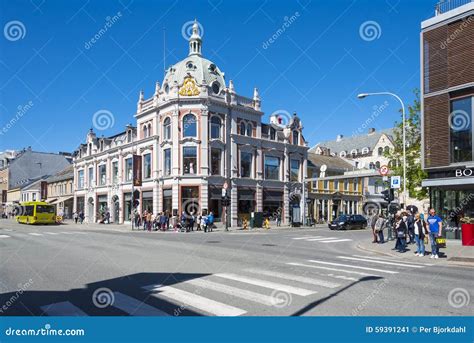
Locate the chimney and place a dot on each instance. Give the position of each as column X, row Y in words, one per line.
column 339, row 138
column 371, row 130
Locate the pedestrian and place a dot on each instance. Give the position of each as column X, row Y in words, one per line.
column 379, row 227
column 435, row 229
column 191, row 221
column 204, row 223
column 420, row 231
column 81, row 217
column 411, row 227
column 279, row 217
column 184, row 222
column 372, row 220
column 162, row 222
column 76, row 217
column 198, row 223
column 401, row 230
column 144, row 217
column 149, row 220
column 107, row 217
column 210, row 221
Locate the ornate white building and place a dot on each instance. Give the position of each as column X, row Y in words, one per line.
column 195, row 134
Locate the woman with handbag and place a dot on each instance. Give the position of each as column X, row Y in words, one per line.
column 401, row 230
column 420, row 232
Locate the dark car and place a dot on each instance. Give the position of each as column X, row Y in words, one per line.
column 348, row 222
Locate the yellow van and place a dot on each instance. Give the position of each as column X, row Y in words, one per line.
column 36, row 212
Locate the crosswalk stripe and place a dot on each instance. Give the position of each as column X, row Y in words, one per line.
column 52, row 233
column 4, row 236
column 267, row 284
column 307, row 237
column 135, row 307
column 64, row 308
column 68, row 233
column 337, row 240
column 380, row 262
column 194, row 300
column 80, row 233
column 237, row 292
column 298, row 278
column 320, row 239
column 351, row 266
column 35, row 234
column 329, row 268
column 384, row 259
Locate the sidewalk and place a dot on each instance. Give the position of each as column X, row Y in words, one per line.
column 454, row 253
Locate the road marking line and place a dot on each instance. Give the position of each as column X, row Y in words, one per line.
column 381, row 262
column 397, row 260
column 267, row 284
column 337, row 240
column 237, row 292
column 320, row 239
column 191, row 299
column 64, row 308
column 351, row 266
column 35, row 234
column 307, row 237
column 302, row 279
column 329, row 268
column 67, row 233
column 80, row 233
column 135, row 307
column 52, row 233
column 4, row 236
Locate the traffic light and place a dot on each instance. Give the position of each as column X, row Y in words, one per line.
column 388, row 195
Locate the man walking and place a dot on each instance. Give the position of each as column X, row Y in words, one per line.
column 435, row 228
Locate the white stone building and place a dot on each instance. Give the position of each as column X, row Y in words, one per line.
column 194, row 135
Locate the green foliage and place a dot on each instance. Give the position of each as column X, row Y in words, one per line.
column 415, row 173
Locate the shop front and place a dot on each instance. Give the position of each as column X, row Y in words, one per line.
column 127, row 206
column 215, row 201
column 272, row 202
column 245, row 203
column 167, row 201
column 147, row 201
column 102, row 207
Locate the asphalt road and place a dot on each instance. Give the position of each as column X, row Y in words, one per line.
column 109, row 270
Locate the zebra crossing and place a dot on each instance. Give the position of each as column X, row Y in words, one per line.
column 15, row 234
column 322, row 239
column 250, row 291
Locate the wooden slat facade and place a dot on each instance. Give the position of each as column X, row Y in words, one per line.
column 436, row 133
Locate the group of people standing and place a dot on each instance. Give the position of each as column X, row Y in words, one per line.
column 164, row 221
column 409, row 228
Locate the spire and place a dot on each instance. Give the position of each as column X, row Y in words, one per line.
column 142, row 96
column 231, row 86
column 256, row 96
column 195, row 40
column 256, row 99
column 157, row 88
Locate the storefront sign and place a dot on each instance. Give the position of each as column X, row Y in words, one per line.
column 464, row 172
column 137, row 170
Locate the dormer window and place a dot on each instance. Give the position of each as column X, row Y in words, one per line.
column 354, row 152
column 129, row 136
column 190, row 65
column 272, row 133
column 216, row 87
column 212, row 68
column 296, row 138
column 365, row 151
column 342, row 154
column 167, row 88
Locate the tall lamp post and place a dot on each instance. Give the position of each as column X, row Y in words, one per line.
column 364, row 95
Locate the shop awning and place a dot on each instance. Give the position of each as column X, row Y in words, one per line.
column 61, row 199
column 51, row 201
column 459, row 181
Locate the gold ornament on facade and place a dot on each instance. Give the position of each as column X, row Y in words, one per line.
column 189, row 87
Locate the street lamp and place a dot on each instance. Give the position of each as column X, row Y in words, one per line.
column 364, row 95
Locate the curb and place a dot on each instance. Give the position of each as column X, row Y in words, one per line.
column 374, row 251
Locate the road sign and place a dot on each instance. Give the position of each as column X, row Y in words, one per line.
column 395, row 181
column 384, row 170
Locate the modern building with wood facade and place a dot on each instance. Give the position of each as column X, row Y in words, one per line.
column 447, row 84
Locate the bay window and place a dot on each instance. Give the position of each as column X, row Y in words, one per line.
column 460, row 122
column 272, row 168
column 189, row 159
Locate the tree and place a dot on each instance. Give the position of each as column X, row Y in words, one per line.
column 415, row 173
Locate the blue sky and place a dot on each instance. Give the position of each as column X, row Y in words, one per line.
column 52, row 84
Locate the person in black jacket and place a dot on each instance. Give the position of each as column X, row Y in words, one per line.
column 401, row 230
column 420, row 232
column 411, row 227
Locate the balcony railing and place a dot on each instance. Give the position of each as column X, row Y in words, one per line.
column 447, row 5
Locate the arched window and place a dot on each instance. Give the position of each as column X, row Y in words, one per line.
column 272, row 133
column 380, row 151
column 354, row 152
column 296, row 138
column 149, row 130
column 386, row 149
column 249, row 129
column 365, row 151
column 377, row 165
column 167, row 129
column 242, row 128
column 145, row 131
column 189, row 125
column 216, row 125
column 129, row 136
column 371, row 165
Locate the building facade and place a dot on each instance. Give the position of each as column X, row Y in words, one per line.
column 61, row 192
column 447, row 83
column 195, row 134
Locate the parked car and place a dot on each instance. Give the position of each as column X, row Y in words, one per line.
column 348, row 222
